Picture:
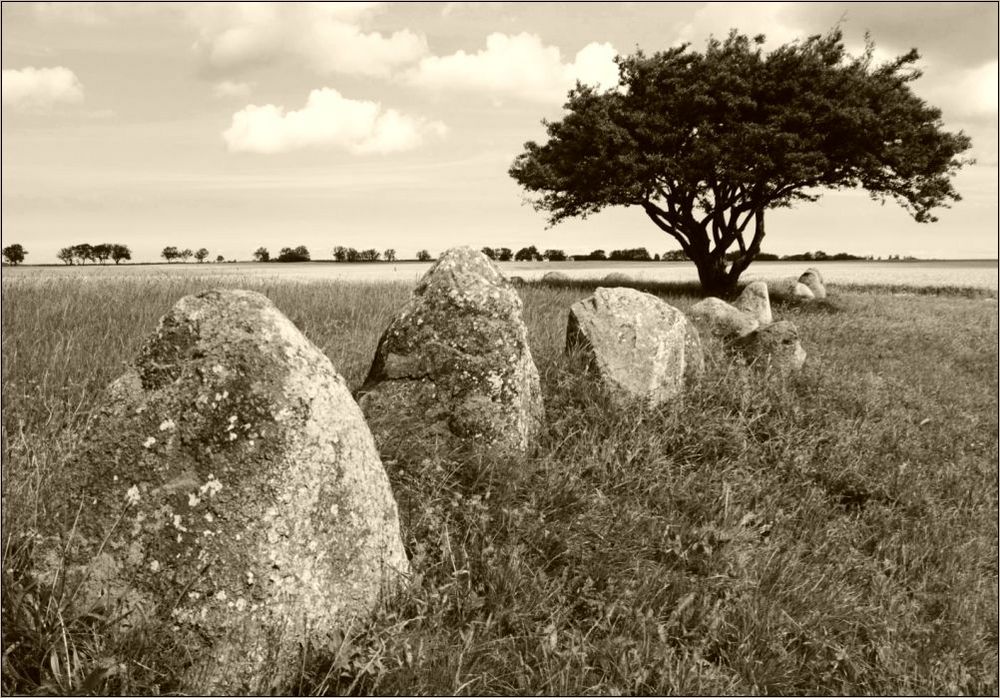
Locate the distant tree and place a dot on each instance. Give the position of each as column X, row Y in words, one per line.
column 83, row 252
column 201, row 255
column 298, row 254
column 65, row 255
column 102, row 252
column 170, row 253
column 674, row 256
column 488, row 251
column 390, row 255
column 352, row 255
column 340, row 253
column 527, row 254
column 598, row 255
column 120, row 252
column 635, row 254
column 219, row 259
column 656, row 257
column 261, row 255
column 186, row 254
column 554, row 255
column 706, row 143
column 14, row 254
column 504, row 254
column 370, row 255
column 424, row 256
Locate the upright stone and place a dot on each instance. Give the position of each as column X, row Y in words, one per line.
column 776, row 345
column 756, row 302
column 231, row 495
column 813, row 280
column 723, row 319
column 455, row 360
column 640, row 346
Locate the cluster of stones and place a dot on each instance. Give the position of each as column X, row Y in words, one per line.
column 748, row 327
column 230, row 487
column 808, row 287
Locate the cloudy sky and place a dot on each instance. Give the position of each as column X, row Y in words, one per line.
column 393, row 125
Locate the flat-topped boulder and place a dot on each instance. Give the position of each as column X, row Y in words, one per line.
column 774, row 346
column 722, row 319
column 455, row 360
column 640, row 346
column 230, row 494
column 813, row 280
column 756, row 302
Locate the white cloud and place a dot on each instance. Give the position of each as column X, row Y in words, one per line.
column 327, row 120
column 518, row 66
column 41, row 87
column 326, row 37
column 230, row 88
column 777, row 21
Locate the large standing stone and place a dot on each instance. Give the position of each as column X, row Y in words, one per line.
column 756, row 302
column 231, row 495
column 776, row 345
column 723, row 319
column 813, row 280
column 456, row 361
column 640, row 346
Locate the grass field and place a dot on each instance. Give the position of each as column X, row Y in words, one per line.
column 830, row 533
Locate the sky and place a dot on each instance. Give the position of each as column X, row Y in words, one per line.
column 234, row 126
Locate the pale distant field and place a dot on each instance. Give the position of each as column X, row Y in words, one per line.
column 976, row 273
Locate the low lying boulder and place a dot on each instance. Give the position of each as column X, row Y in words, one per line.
column 813, row 280
column 555, row 277
column 516, row 280
column 723, row 319
column 230, row 494
column 755, row 302
column 616, row 278
column 790, row 290
column 774, row 346
column 455, row 360
column 641, row 347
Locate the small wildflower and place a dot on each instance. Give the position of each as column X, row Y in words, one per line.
column 167, row 424
column 193, row 499
column 154, row 565
column 220, row 595
column 132, row 496
column 148, row 442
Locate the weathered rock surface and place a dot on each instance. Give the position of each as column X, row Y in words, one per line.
column 776, row 346
column 813, row 280
column 231, row 494
column 723, row 319
column 555, row 276
column 756, row 302
column 790, row 291
column 456, row 361
column 517, row 280
column 616, row 278
column 640, row 346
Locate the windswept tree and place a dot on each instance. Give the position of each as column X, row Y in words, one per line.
column 14, row 254
column 120, row 252
column 84, row 252
column 706, row 143
column 261, row 254
column 201, row 255
column 527, row 254
column 186, row 254
column 65, row 255
column 102, row 252
column 170, row 253
column 504, row 254
column 424, row 256
column 389, row 255
column 340, row 253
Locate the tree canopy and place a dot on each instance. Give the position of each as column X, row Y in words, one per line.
column 705, row 143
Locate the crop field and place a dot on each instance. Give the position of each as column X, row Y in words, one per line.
column 831, row 532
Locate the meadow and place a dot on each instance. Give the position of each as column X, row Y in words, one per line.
column 833, row 532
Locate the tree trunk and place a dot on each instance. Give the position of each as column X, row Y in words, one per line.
column 712, row 274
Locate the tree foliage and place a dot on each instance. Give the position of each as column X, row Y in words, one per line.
column 705, row 143
column 297, row 254
column 201, row 255
column 14, row 254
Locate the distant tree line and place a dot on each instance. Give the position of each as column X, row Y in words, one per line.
column 818, row 256
column 84, row 252
column 340, row 254
column 172, row 253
